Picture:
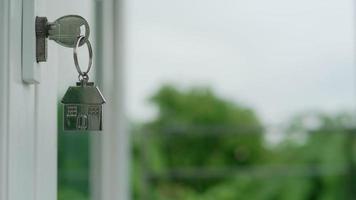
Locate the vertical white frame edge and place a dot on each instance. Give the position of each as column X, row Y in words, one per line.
column 4, row 23
column 30, row 68
column 110, row 150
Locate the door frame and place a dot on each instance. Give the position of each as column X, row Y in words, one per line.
column 110, row 154
column 18, row 111
column 4, row 44
column 110, row 149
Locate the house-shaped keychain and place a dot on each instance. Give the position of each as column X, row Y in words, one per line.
column 83, row 107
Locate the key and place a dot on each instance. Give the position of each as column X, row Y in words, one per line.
column 65, row 31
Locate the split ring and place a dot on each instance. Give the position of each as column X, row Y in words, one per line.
column 75, row 55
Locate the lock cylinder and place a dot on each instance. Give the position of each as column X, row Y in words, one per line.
column 41, row 35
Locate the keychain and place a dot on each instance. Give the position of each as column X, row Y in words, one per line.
column 83, row 102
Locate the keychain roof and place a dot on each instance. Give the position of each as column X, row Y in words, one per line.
column 83, row 95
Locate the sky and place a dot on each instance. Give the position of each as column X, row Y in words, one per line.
column 279, row 57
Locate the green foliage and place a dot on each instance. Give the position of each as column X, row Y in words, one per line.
column 200, row 116
column 66, row 193
column 196, row 129
column 202, row 147
column 73, row 163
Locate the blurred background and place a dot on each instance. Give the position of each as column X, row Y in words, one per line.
column 231, row 100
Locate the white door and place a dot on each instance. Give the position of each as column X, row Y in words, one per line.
column 28, row 112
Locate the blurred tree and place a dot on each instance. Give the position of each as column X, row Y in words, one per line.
column 179, row 155
column 195, row 129
column 200, row 115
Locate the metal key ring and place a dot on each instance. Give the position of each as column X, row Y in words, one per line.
column 75, row 55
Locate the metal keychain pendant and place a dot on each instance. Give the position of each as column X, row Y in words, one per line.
column 83, row 102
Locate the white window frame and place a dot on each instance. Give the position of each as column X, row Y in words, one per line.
column 110, row 150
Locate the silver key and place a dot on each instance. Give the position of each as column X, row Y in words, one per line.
column 65, row 31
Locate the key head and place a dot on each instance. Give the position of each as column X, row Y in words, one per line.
column 66, row 29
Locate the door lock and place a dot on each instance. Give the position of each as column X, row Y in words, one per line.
column 64, row 31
